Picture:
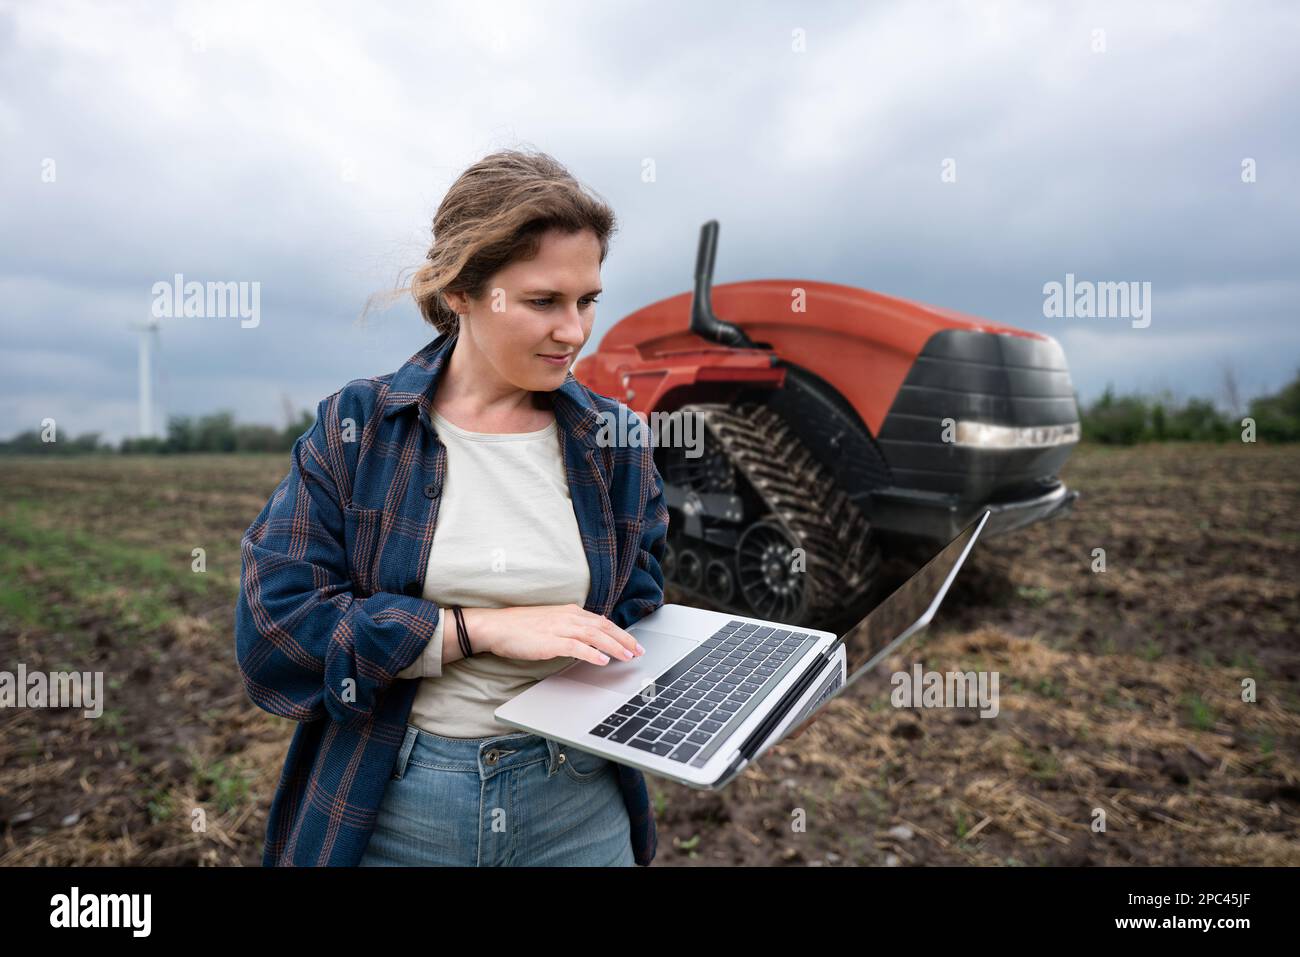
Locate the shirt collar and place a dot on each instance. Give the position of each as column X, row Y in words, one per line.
column 417, row 380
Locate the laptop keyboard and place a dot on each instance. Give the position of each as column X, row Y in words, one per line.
column 693, row 707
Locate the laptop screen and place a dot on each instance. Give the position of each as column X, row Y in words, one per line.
column 908, row 609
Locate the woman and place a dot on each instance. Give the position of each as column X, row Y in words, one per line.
column 447, row 535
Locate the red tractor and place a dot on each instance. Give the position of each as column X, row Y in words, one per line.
column 836, row 423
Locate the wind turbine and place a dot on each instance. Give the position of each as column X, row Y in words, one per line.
column 148, row 342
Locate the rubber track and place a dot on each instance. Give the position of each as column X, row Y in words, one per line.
column 802, row 498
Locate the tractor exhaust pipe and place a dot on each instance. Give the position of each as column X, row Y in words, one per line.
column 703, row 322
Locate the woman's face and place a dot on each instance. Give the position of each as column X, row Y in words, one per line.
column 545, row 306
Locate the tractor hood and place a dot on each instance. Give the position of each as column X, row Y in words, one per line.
column 863, row 343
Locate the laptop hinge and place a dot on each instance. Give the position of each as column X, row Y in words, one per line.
column 788, row 700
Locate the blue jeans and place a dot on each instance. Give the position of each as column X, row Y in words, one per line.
column 517, row 799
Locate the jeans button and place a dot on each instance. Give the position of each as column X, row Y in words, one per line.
column 491, row 756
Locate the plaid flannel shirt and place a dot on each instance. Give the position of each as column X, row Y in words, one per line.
column 330, row 606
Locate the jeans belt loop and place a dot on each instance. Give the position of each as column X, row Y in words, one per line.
column 404, row 753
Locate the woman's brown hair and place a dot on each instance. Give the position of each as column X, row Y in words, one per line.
column 495, row 214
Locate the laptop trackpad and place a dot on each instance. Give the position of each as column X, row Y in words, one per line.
column 629, row 677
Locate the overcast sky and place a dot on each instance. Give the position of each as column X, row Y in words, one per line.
column 306, row 149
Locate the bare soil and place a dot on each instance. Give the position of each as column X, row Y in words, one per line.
column 1120, row 690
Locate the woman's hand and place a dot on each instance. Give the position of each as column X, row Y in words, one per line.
column 537, row 632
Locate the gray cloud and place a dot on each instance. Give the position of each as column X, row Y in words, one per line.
column 214, row 142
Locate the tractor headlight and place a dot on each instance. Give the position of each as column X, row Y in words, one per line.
column 981, row 435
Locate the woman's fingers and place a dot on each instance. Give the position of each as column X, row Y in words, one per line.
column 594, row 638
column 624, row 638
column 576, row 648
column 606, row 642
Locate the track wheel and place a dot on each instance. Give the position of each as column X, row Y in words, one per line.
column 768, row 580
column 719, row 584
column 690, row 569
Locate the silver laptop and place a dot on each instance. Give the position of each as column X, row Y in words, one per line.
column 714, row 691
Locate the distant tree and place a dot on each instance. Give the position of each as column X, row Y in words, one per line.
column 24, row 443
column 144, row 445
column 258, row 438
column 1115, row 420
column 1123, row 420
column 181, row 434
column 1277, row 417
column 295, row 429
column 1159, row 430
column 1198, row 421
column 30, row 443
column 88, row 442
column 216, row 432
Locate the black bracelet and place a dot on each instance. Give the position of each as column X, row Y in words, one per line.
column 456, row 619
column 462, row 632
column 464, row 627
column 452, row 609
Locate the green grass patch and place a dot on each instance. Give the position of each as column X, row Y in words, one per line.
column 221, row 783
column 135, row 589
column 1042, row 764
column 162, row 807
column 1197, row 712
column 1035, row 595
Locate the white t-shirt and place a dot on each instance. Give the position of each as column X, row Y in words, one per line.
column 506, row 536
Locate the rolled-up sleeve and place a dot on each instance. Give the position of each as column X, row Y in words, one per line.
column 644, row 591
column 307, row 646
column 429, row 664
